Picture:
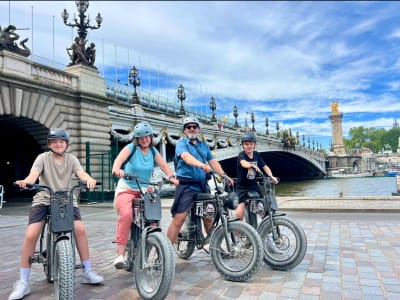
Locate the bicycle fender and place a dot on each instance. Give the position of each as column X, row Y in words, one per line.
column 61, row 237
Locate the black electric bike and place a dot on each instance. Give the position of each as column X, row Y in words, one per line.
column 149, row 252
column 57, row 242
column 235, row 247
column 284, row 240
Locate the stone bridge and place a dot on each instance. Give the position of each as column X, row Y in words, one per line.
column 99, row 118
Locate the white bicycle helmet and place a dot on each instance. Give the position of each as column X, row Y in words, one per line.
column 190, row 119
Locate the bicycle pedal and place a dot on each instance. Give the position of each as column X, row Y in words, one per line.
column 34, row 258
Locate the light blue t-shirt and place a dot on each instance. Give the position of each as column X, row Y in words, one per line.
column 140, row 165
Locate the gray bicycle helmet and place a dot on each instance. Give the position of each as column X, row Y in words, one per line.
column 249, row 137
column 58, row 134
column 190, row 119
column 142, row 129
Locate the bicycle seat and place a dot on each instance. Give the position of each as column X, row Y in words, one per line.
column 204, row 196
column 252, row 194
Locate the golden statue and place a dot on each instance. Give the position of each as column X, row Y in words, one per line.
column 334, row 107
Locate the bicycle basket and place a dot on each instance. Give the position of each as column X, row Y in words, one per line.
column 62, row 213
column 152, row 207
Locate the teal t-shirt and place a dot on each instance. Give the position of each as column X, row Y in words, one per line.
column 140, row 165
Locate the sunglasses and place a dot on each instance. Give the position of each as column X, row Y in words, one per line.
column 191, row 127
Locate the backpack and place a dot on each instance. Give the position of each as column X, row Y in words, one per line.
column 133, row 152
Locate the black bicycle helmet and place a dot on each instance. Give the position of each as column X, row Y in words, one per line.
column 249, row 137
column 58, row 134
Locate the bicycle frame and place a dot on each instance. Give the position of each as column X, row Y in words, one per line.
column 148, row 249
column 145, row 220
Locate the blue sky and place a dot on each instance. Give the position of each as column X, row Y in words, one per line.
column 283, row 60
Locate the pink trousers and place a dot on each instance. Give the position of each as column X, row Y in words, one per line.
column 123, row 206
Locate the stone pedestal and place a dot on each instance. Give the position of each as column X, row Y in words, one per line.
column 336, row 122
column 89, row 79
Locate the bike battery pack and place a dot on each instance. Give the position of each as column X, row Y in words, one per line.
column 62, row 216
column 152, row 207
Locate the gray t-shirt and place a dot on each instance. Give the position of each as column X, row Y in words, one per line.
column 55, row 175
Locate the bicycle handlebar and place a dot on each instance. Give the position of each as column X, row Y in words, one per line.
column 39, row 187
column 139, row 181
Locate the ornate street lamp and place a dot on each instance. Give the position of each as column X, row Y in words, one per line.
column 304, row 141
column 80, row 54
column 253, row 129
column 213, row 107
column 181, row 96
column 134, row 79
column 266, row 126
column 277, row 128
column 297, row 138
column 82, row 25
column 235, row 114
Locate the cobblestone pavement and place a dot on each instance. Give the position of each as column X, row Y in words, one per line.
column 349, row 257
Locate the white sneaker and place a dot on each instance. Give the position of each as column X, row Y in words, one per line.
column 272, row 246
column 90, row 277
column 21, row 289
column 119, row 262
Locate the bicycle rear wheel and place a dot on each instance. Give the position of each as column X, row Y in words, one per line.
column 64, row 270
column 154, row 278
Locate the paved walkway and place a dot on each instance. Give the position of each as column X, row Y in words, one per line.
column 348, row 256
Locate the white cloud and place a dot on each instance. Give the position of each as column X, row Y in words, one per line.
column 282, row 60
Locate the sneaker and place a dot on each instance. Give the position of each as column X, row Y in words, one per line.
column 272, row 246
column 90, row 277
column 119, row 262
column 21, row 289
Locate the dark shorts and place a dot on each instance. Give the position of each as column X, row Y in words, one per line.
column 38, row 213
column 184, row 197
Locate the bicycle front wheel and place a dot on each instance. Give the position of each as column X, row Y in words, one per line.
column 64, row 270
column 154, row 278
column 244, row 258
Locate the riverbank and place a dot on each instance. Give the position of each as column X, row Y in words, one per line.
column 387, row 204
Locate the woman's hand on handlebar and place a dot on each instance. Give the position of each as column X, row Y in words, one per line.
column 119, row 173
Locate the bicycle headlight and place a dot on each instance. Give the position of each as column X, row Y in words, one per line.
column 232, row 201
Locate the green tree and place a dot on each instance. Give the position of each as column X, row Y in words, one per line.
column 372, row 138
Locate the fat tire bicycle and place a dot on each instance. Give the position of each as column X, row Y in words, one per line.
column 149, row 252
column 57, row 242
column 235, row 247
column 284, row 240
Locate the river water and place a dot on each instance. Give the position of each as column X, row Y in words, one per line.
column 365, row 186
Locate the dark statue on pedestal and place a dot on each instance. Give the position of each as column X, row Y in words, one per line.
column 79, row 54
column 8, row 38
